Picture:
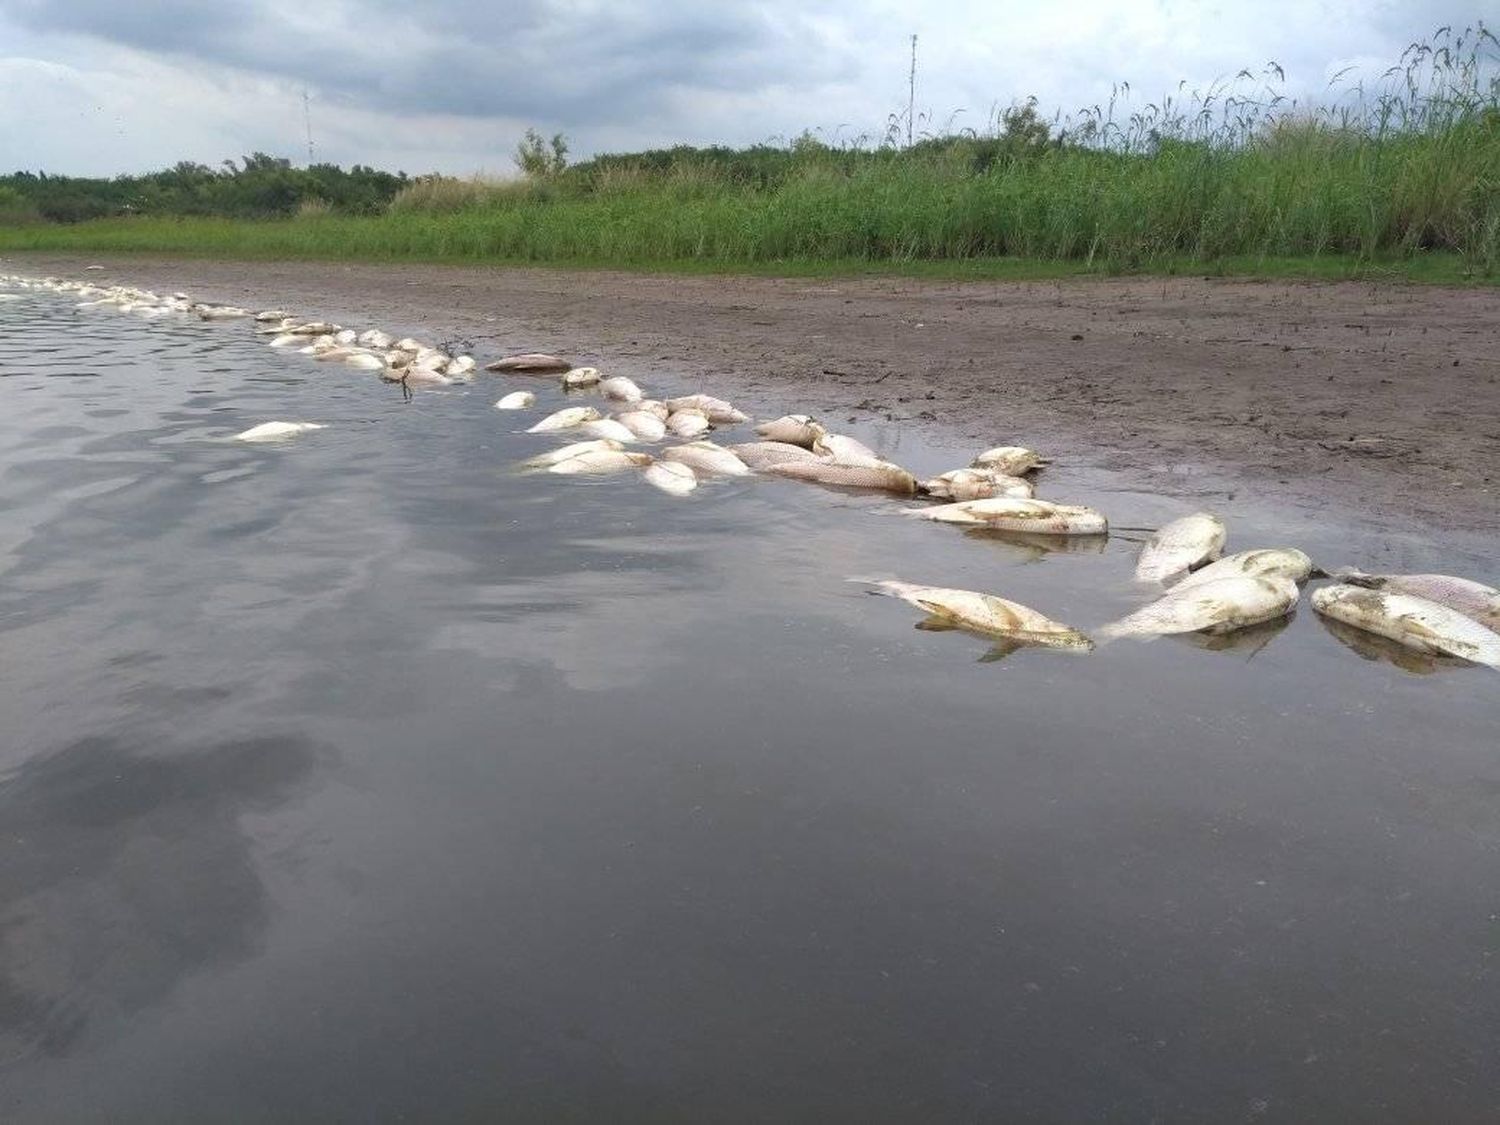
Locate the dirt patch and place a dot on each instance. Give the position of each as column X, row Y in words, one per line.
column 1378, row 397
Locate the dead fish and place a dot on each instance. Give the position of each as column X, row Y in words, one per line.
column 1383, row 650
column 761, row 455
column 1179, row 546
column 846, row 451
column 621, row 389
column 375, row 338
column 608, row 428
column 364, row 361
column 1285, row 561
column 276, row 431
column 565, row 419
column 688, row 423
column 409, row 344
column 222, row 312
column 600, row 462
column 1013, row 460
column 716, row 410
column 516, row 400
column 987, row 614
column 345, row 336
column 566, row 452
column 580, row 377
column 1019, row 514
column 652, row 406
column 1411, row 621
column 886, row 477
column 1472, row 599
column 793, row 429
column 531, row 363
column 423, row 377
column 671, row 476
column 271, row 314
column 706, row 457
column 643, row 424
column 286, row 340
column 1220, row 606
column 976, row 484
column 314, row 328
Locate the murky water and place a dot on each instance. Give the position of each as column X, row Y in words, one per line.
column 360, row 779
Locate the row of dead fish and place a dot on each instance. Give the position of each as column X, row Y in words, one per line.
column 1208, row 592
column 1212, row 593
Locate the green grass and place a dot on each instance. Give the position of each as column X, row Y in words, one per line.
column 1403, row 183
column 292, row 241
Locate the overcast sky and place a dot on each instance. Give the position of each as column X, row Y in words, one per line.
column 107, row 86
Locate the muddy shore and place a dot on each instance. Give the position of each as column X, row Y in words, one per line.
column 1379, row 398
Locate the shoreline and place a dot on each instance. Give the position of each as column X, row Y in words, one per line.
column 1381, row 399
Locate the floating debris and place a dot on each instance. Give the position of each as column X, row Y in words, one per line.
column 516, row 400
column 277, row 431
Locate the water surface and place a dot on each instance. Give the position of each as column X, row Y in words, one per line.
column 360, row 778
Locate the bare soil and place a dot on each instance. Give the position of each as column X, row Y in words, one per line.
column 1383, row 398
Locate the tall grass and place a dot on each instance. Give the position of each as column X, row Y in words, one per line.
column 1406, row 166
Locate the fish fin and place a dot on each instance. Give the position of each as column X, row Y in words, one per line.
column 999, row 651
column 935, row 624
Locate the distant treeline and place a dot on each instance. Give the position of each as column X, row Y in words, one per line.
column 258, row 187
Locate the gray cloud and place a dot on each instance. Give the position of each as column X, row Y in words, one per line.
column 544, row 59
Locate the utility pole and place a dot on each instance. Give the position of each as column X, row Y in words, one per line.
column 307, row 121
column 911, row 94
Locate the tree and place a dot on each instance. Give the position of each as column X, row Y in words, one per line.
column 538, row 158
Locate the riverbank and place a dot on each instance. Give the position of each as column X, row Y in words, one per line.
column 1380, row 398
